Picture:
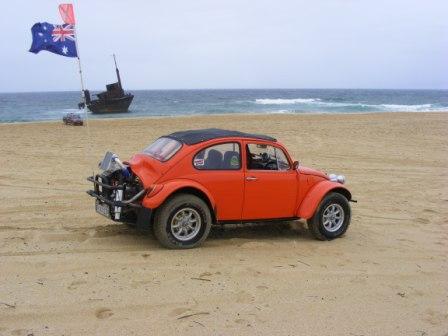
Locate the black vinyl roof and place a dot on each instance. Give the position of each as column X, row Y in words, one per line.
column 192, row 137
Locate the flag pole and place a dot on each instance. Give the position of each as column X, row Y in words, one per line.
column 83, row 96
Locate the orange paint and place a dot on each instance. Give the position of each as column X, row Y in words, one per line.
column 238, row 193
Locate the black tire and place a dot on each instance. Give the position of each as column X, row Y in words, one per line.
column 316, row 225
column 163, row 221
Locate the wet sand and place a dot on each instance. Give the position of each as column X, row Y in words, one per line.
column 66, row 270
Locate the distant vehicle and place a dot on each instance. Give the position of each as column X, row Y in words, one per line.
column 73, row 119
column 186, row 181
column 113, row 100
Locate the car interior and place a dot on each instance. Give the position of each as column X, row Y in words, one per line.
column 216, row 160
column 265, row 157
column 227, row 157
column 220, row 157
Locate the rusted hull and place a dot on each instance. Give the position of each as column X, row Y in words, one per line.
column 115, row 105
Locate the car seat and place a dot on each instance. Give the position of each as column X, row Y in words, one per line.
column 214, row 160
column 231, row 160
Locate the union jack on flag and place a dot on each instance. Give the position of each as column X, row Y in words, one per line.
column 58, row 39
column 62, row 32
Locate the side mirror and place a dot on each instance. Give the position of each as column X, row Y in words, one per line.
column 295, row 165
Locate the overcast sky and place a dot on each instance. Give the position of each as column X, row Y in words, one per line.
column 192, row 44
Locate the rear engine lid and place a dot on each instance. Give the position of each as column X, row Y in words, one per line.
column 148, row 169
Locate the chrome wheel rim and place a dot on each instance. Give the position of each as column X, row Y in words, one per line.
column 185, row 224
column 333, row 217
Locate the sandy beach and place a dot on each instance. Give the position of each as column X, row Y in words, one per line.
column 64, row 270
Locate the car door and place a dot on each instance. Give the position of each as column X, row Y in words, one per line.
column 270, row 183
column 218, row 167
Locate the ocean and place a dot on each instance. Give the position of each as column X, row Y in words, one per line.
column 40, row 106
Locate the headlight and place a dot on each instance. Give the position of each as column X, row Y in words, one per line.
column 337, row 178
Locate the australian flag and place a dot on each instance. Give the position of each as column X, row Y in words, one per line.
column 58, row 39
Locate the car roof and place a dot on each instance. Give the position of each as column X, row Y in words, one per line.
column 192, row 137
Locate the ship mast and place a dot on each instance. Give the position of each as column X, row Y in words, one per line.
column 118, row 72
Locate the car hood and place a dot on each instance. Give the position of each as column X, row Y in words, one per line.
column 310, row 171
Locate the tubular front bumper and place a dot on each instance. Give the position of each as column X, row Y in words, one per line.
column 128, row 211
column 101, row 189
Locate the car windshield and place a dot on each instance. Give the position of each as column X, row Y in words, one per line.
column 163, row 149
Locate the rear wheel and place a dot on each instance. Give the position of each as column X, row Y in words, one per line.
column 332, row 217
column 183, row 221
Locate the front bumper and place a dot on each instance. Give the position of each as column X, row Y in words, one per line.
column 110, row 202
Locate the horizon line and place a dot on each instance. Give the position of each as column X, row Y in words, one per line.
column 229, row 89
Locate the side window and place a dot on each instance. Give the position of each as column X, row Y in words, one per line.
column 226, row 156
column 266, row 157
column 282, row 160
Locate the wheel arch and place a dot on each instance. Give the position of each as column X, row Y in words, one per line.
column 344, row 192
column 309, row 205
column 199, row 193
column 176, row 187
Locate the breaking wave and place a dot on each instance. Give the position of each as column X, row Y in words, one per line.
column 404, row 108
column 316, row 104
column 281, row 101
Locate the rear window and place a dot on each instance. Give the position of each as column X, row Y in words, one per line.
column 163, row 149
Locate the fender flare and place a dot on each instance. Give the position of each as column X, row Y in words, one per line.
column 309, row 205
column 160, row 193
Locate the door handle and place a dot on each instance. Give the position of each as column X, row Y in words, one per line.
column 251, row 178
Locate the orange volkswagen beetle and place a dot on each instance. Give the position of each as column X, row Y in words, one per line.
column 186, row 181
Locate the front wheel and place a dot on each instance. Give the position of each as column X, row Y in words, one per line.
column 332, row 217
column 183, row 221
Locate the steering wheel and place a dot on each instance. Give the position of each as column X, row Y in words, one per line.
column 265, row 158
column 271, row 166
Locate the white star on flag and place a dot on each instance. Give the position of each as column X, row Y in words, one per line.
column 64, row 50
